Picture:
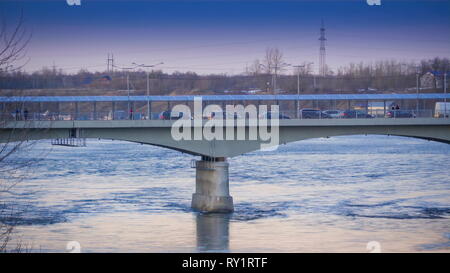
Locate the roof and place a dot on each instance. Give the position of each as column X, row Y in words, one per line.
column 226, row 97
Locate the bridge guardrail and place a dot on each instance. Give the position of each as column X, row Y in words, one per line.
column 302, row 114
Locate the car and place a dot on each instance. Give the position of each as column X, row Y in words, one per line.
column 399, row 114
column 355, row 114
column 269, row 115
column 170, row 115
column 333, row 113
column 308, row 113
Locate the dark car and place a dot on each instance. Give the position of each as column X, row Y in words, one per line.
column 269, row 115
column 168, row 115
column 312, row 113
column 355, row 114
column 399, row 114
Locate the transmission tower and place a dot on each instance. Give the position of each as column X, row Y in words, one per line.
column 322, row 39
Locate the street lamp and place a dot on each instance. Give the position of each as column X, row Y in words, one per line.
column 148, row 84
column 298, row 82
column 128, row 82
column 417, row 89
column 445, row 95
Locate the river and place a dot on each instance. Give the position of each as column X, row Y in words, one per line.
column 321, row 195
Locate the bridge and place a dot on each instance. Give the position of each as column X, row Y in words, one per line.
column 212, row 183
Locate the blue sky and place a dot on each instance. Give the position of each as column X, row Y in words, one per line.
column 225, row 36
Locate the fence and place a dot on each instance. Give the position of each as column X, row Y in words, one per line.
column 283, row 114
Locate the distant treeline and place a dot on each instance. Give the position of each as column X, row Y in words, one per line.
column 380, row 76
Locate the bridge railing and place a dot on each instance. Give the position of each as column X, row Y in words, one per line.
column 356, row 114
column 302, row 114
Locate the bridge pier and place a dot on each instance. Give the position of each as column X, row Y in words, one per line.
column 212, row 192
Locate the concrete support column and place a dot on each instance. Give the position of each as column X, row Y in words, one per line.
column 212, row 186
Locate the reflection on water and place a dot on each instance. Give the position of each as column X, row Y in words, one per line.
column 213, row 232
column 329, row 195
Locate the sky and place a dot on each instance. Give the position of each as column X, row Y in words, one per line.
column 219, row 36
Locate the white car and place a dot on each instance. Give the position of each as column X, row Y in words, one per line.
column 334, row 113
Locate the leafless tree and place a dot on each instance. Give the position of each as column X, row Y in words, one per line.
column 274, row 64
column 255, row 68
column 13, row 43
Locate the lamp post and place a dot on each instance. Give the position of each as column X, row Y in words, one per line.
column 445, row 95
column 298, row 87
column 417, row 90
column 148, row 84
column 128, row 83
column 298, row 82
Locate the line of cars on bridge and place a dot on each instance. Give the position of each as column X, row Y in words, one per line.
column 306, row 113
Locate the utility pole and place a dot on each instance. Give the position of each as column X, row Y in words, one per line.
column 107, row 64
column 298, row 77
column 278, row 67
column 268, row 70
column 274, row 79
column 110, row 63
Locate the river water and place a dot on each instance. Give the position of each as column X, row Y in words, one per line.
column 321, row 195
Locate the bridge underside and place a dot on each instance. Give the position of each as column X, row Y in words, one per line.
column 212, row 184
column 159, row 133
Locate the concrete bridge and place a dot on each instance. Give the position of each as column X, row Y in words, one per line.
column 212, row 184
